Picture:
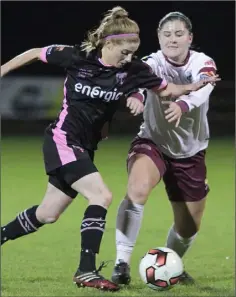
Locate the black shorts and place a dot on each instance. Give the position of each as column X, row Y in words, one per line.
column 66, row 164
column 63, row 177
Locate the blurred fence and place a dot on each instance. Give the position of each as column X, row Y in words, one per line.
column 29, row 104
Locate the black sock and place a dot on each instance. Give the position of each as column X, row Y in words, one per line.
column 92, row 229
column 25, row 223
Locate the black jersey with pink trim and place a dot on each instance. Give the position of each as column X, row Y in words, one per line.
column 92, row 92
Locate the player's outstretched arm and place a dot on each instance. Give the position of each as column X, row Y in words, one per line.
column 179, row 90
column 21, row 60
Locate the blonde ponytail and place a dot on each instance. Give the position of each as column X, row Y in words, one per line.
column 115, row 22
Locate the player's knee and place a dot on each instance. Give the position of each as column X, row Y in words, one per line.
column 46, row 217
column 50, row 219
column 107, row 199
column 104, row 198
column 138, row 192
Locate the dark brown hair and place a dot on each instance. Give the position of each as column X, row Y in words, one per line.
column 172, row 16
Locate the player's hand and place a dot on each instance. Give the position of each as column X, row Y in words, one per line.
column 135, row 105
column 203, row 82
column 173, row 112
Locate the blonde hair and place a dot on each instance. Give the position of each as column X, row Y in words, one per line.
column 115, row 22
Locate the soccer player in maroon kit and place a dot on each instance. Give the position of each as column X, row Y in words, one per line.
column 170, row 145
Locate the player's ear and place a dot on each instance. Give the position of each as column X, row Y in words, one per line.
column 190, row 39
column 158, row 35
column 108, row 44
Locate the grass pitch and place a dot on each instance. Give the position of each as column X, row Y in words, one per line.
column 43, row 263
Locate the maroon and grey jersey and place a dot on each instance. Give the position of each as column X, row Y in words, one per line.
column 92, row 92
column 192, row 134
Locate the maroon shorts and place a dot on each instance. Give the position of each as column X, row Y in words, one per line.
column 185, row 179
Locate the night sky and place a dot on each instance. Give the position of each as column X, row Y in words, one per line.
column 27, row 25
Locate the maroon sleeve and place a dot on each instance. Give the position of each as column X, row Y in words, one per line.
column 139, row 96
column 183, row 105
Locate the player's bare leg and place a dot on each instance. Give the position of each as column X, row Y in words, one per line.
column 188, row 217
column 30, row 220
column 53, row 205
column 93, row 188
column 187, row 221
column 143, row 177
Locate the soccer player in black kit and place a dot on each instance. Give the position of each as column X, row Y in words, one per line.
column 98, row 74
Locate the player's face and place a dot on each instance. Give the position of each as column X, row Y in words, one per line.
column 175, row 40
column 121, row 54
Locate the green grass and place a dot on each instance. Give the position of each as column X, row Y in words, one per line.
column 43, row 264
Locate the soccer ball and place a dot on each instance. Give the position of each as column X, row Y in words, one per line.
column 160, row 268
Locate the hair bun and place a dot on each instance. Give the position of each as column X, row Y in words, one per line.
column 118, row 12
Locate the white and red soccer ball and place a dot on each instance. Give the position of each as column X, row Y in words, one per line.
column 160, row 268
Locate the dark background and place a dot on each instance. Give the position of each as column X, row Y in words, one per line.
column 35, row 24
column 26, row 25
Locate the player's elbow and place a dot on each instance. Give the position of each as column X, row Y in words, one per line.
column 39, row 54
column 32, row 54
